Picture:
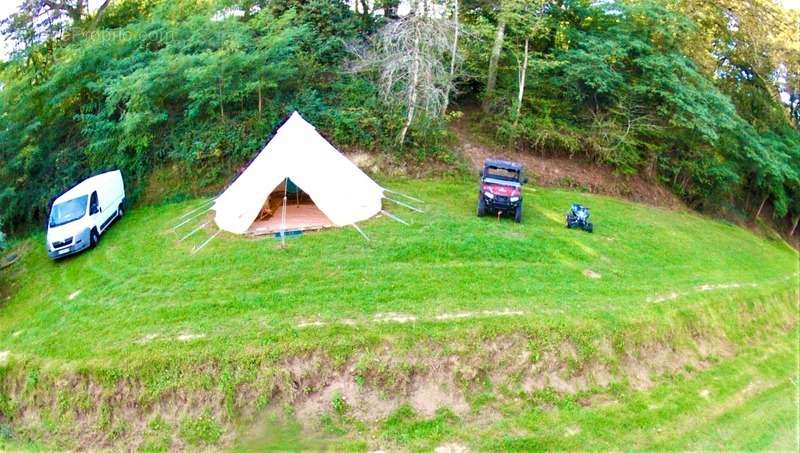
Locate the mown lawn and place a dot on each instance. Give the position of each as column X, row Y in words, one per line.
column 142, row 309
column 142, row 293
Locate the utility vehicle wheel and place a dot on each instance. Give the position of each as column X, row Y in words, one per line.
column 518, row 214
column 589, row 227
column 93, row 238
column 481, row 206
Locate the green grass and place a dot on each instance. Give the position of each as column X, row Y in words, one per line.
column 142, row 281
column 238, row 303
column 748, row 403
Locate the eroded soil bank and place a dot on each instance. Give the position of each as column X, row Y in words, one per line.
column 216, row 403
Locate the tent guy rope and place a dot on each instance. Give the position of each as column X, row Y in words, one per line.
column 194, row 231
column 408, row 206
column 200, row 247
column 403, row 195
column 393, row 217
column 361, row 232
column 190, row 219
column 201, row 206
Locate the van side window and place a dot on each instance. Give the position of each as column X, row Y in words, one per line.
column 94, row 204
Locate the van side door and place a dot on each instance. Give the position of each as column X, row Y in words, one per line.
column 100, row 217
column 95, row 213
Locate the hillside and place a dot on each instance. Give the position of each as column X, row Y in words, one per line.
column 701, row 98
column 674, row 326
column 455, row 329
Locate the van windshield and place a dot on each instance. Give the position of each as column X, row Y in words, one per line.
column 68, row 211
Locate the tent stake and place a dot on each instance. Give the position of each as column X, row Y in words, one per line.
column 197, row 249
column 189, row 219
column 193, row 231
column 362, row 233
column 404, row 204
column 403, row 195
column 394, row 217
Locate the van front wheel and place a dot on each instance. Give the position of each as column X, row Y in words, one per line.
column 120, row 212
column 93, row 238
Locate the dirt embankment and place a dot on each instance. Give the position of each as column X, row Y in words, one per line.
column 369, row 388
column 93, row 409
column 564, row 172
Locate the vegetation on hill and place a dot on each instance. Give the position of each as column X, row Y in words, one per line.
column 686, row 92
column 662, row 330
column 455, row 328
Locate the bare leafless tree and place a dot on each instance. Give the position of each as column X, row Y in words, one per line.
column 38, row 20
column 410, row 58
column 453, row 55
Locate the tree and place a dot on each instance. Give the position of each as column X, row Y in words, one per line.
column 494, row 58
column 39, row 20
column 453, row 56
column 744, row 45
column 408, row 56
column 527, row 22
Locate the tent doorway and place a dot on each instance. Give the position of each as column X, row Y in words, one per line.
column 301, row 212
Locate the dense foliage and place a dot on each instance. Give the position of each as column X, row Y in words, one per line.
column 688, row 92
column 644, row 87
column 184, row 82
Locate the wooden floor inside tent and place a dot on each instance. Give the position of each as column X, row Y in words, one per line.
column 302, row 217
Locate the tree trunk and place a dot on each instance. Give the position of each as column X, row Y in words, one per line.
column 260, row 101
column 366, row 17
column 412, row 94
column 493, row 61
column 452, row 59
column 794, row 228
column 76, row 13
column 101, row 10
column 390, row 9
column 521, row 79
column 758, row 213
column 221, row 104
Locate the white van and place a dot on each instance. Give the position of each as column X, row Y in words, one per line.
column 80, row 215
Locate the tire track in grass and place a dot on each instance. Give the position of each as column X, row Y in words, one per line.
column 716, row 287
column 403, row 318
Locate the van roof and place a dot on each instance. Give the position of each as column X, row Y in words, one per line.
column 88, row 185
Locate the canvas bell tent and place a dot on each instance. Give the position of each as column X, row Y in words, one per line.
column 299, row 181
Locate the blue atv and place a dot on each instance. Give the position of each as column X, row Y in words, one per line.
column 578, row 217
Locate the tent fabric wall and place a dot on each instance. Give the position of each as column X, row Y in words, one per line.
column 297, row 151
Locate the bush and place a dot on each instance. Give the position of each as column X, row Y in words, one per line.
column 201, row 430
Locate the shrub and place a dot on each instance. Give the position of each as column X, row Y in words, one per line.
column 201, row 430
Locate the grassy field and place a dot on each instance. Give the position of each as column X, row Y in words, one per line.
column 142, row 309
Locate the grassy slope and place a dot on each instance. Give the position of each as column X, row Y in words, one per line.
column 747, row 403
column 247, row 297
column 142, row 281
